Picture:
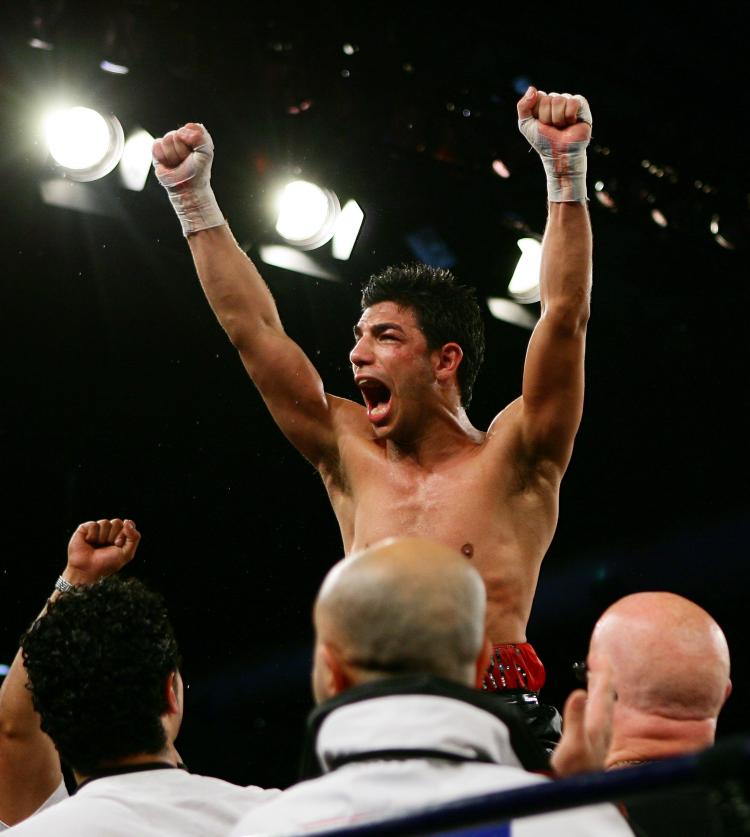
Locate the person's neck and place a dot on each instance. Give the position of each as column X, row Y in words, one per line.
column 447, row 432
column 168, row 756
column 643, row 737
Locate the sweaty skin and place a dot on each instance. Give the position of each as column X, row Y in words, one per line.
column 458, row 501
column 471, row 500
column 452, row 483
column 409, row 462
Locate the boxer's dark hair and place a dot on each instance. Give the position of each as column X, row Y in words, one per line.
column 446, row 312
column 98, row 663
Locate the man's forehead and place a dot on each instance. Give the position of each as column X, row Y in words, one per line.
column 388, row 311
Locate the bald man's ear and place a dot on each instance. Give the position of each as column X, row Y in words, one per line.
column 727, row 691
column 335, row 674
column 483, row 663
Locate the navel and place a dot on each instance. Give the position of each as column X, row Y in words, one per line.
column 468, row 550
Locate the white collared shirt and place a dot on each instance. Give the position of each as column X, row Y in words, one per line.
column 148, row 803
column 376, row 789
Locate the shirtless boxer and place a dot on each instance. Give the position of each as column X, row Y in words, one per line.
column 409, row 463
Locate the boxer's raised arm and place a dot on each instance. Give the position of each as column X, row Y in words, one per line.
column 288, row 382
column 559, row 127
column 29, row 764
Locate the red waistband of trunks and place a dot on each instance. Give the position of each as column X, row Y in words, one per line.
column 514, row 665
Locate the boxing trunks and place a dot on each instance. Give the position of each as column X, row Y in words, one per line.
column 516, row 675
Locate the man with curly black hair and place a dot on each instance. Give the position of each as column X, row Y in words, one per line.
column 97, row 663
column 410, row 463
column 103, row 670
column 30, row 775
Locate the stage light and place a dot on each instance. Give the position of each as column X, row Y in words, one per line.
column 120, row 48
column 500, row 169
column 136, row 160
column 84, row 144
column 115, row 69
column 289, row 258
column 720, row 239
column 524, row 284
column 307, row 214
column 511, row 312
column 723, row 242
column 347, row 230
column 603, row 196
column 659, row 218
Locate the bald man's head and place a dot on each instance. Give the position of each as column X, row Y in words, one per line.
column 669, row 657
column 404, row 606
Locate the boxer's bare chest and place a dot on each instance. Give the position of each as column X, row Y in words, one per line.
column 450, row 503
column 473, row 501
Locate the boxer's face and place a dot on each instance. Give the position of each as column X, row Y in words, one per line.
column 392, row 367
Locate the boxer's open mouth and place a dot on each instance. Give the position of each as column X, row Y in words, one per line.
column 377, row 399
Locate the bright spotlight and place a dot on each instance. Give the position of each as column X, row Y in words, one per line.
column 723, row 242
column 307, row 214
column 136, row 160
column 347, row 230
column 115, row 69
column 82, row 142
column 38, row 43
column 524, row 284
column 500, row 169
column 511, row 312
column 603, row 196
column 290, row 258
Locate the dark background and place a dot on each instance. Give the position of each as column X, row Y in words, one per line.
column 122, row 397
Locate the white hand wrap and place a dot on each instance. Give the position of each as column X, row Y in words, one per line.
column 564, row 163
column 189, row 189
